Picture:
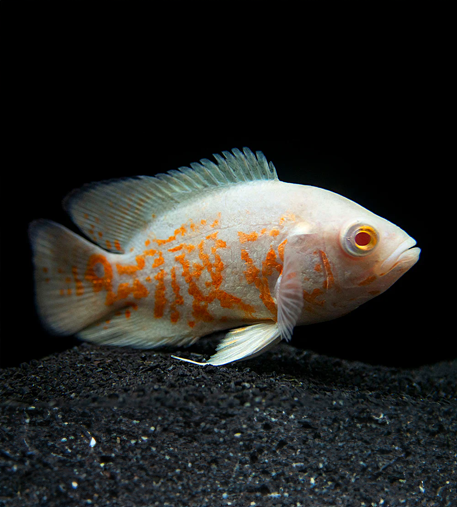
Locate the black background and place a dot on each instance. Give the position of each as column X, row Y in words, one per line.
column 358, row 105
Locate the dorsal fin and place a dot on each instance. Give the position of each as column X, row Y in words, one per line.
column 112, row 212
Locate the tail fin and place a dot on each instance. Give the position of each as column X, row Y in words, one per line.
column 65, row 296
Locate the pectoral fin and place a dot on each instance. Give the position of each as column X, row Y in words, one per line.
column 289, row 287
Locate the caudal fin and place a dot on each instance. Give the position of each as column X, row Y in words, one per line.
column 65, row 295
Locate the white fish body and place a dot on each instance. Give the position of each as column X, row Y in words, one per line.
column 216, row 247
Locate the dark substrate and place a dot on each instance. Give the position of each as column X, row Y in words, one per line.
column 116, row 427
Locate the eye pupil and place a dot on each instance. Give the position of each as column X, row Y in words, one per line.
column 362, row 238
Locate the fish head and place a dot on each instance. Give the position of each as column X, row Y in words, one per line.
column 366, row 253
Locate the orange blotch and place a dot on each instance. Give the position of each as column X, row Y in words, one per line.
column 174, row 314
column 159, row 261
column 128, row 314
column 244, row 238
column 252, row 274
column 185, row 246
column 203, row 222
column 147, row 242
column 45, row 270
column 270, row 263
column 129, row 270
column 281, row 247
column 274, row 232
column 108, row 245
column 100, row 234
column 367, row 281
column 117, row 245
column 311, row 298
column 330, row 280
column 318, row 267
column 215, row 269
column 160, row 300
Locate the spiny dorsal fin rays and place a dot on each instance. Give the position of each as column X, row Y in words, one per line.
column 112, row 212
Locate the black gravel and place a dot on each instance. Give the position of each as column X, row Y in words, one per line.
column 116, row 427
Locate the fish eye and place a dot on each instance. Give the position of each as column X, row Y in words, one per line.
column 359, row 240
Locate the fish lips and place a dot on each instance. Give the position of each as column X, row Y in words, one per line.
column 404, row 256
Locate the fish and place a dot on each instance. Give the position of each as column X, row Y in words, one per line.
column 220, row 246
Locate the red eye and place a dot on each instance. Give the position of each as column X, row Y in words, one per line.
column 359, row 239
column 362, row 238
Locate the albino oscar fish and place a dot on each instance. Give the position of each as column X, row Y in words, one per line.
column 217, row 246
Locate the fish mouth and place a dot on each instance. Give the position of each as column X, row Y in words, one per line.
column 405, row 253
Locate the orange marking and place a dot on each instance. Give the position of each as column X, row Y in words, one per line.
column 203, row 222
column 100, row 234
column 129, row 270
column 159, row 261
column 186, row 246
column 78, row 282
column 367, row 281
column 174, row 315
column 147, row 242
column 138, row 290
column 45, row 270
column 288, row 217
column 216, row 222
column 244, row 238
column 68, row 279
column 117, row 245
column 270, row 263
column 160, row 299
column 318, row 267
column 274, row 232
column 330, row 280
column 108, row 245
column 128, row 313
column 281, row 247
column 261, row 283
column 215, row 269
column 311, row 298
column 182, row 230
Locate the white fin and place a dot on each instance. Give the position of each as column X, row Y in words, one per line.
column 245, row 342
column 112, row 212
column 66, row 301
column 289, row 287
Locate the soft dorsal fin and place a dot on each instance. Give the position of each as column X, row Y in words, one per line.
column 112, row 212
